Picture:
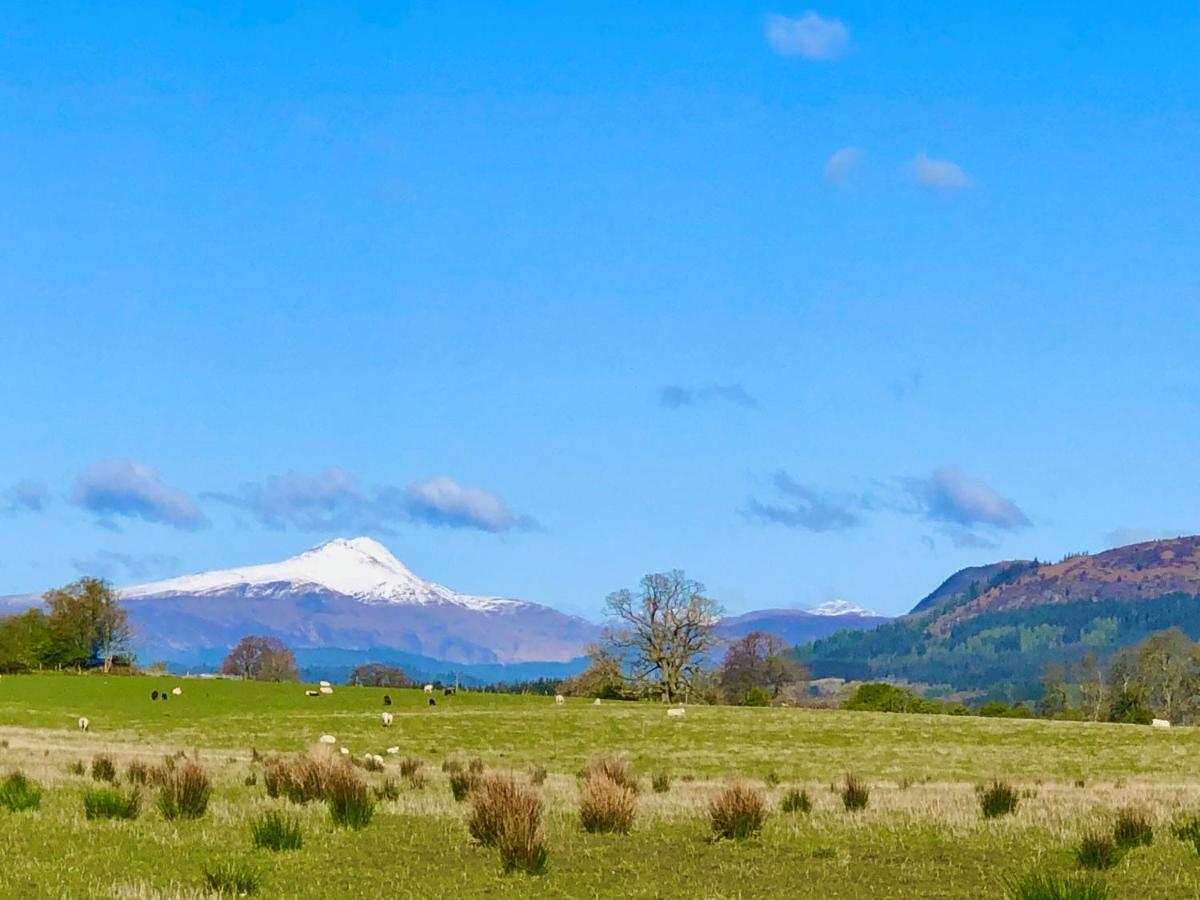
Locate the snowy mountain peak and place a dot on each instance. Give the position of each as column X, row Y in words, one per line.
column 361, row 568
column 840, row 608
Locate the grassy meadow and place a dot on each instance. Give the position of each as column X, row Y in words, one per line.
column 921, row 834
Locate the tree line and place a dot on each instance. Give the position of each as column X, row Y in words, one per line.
column 82, row 625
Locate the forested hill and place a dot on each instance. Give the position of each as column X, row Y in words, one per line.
column 994, row 628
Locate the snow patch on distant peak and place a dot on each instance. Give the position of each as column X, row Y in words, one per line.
column 360, row 567
column 841, row 608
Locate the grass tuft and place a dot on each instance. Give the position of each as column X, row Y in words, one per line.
column 660, row 782
column 1188, row 831
column 350, row 803
column 1098, row 850
column 738, row 810
column 1133, row 829
column 231, row 879
column 18, row 793
column 103, row 768
column 111, row 803
column 410, row 765
column 387, row 790
column 276, row 831
column 614, row 768
column 507, row 815
column 796, row 800
column 606, row 807
column 1048, row 886
column 185, row 792
column 998, row 799
column 855, row 793
column 463, row 783
column 537, row 775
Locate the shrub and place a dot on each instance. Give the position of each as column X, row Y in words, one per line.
column 1047, row 886
column 738, row 810
column 18, row 793
column 879, row 696
column 507, row 815
column 231, row 879
column 462, row 783
column 350, row 803
column 605, row 806
column 998, row 799
column 110, row 803
column 275, row 831
column 661, row 782
column 185, row 792
column 758, row 696
column 389, row 790
column 855, row 793
column 410, row 765
column 994, row 709
column 1098, row 851
column 537, row 775
column 796, row 801
column 103, row 768
column 1133, row 829
column 614, row 768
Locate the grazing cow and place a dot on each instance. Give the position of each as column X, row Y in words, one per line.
column 387, row 699
column 327, row 739
column 447, row 692
column 326, row 689
column 677, row 712
column 559, row 699
column 84, row 724
column 1160, row 723
column 387, row 720
column 163, row 696
column 177, row 691
column 154, row 695
column 432, row 702
column 312, row 694
column 429, row 688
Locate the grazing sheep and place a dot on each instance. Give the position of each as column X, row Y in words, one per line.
column 387, row 720
column 559, row 699
column 177, row 691
column 326, row 689
column 163, row 696
column 154, row 695
column 677, row 712
column 84, row 724
column 323, row 684
column 432, row 702
column 312, row 694
column 387, row 699
column 345, row 751
column 1160, row 723
column 429, row 688
column 596, row 702
column 327, row 739
column 392, row 751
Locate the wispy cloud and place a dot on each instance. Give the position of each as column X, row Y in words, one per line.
column 802, row 506
column 121, row 488
column 809, row 36
column 839, row 166
column 333, row 501
column 968, row 511
column 112, row 565
column 25, row 496
column 675, row 397
column 939, row 174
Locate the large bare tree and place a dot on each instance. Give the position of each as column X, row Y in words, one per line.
column 662, row 632
column 261, row 659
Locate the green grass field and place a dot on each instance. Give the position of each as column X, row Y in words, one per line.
column 921, row 836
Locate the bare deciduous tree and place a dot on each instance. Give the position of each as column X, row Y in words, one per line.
column 759, row 660
column 662, row 632
column 262, row 659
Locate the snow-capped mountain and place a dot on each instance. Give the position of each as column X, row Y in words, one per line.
column 841, row 608
column 346, row 595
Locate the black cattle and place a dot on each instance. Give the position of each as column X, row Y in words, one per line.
column 154, row 695
column 387, row 699
column 432, row 702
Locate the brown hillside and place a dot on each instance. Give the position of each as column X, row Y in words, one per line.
column 1136, row 572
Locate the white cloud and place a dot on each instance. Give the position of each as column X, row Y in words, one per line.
column 121, row 487
column 839, row 166
column 940, row 174
column 810, row 36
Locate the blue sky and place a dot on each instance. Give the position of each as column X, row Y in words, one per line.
column 811, row 302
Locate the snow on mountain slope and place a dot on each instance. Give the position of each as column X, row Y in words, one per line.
column 360, row 568
column 840, row 608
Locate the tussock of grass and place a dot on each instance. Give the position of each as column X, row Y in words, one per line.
column 185, row 792
column 507, row 815
column 463, row 783
column 350, row 803
column 1188, row 830
column 855, row 793
column 796, row 800
column 410, row 765
column 998, row 799
column 111, row 803
column 606, row 806
column 614, row 768
column 103, row 768
column 738, row 810
column 1133, row 829
column 18, row 793
column 660, row 782
column 537, row 775
column 1048, row 886
column 276, row 831
column 303, row 779
column 76, row 767
column 387, row 790
column 1098, row 850
column 231, row 879
column 138, row 772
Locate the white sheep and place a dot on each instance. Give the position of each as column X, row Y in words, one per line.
column 323, row 684
column 311, row 694
column 392, row 751
column 596, row 702
column 327, row 739
column 326, row 690
column 559, row 699
column 677, row 712
column 177, row 691
column 345, row 751
column 429, row 688
column 84, row 724
column 387, row 720
column 1160, row 723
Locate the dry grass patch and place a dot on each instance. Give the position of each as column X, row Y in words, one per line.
column 606, row 806
column 738, row 810
column 507, row 815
